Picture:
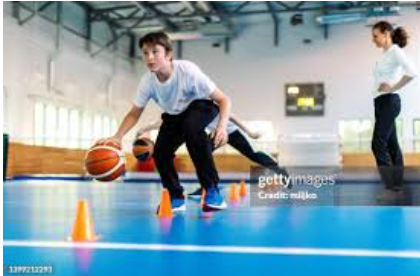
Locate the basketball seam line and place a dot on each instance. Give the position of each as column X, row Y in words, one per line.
column 93, row 162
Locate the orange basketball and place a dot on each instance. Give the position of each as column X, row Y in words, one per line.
column 105, row 162
column 143, row 149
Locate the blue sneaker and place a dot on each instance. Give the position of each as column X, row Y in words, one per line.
column 177, row 204
column 213, row 201
column 197, row 193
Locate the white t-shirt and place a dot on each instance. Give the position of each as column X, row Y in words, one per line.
column 186, row 84
column 391, row 67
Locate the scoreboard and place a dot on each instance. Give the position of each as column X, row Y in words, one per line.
column 305, row 99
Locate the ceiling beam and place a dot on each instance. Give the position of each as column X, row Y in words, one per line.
column 276, row 22
column 200, row 9
column 35, row 12
column 224, row 15
column 157, row 14
column 118, row 37
column 241, row 6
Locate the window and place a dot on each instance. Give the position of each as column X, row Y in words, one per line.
column 106, row 128
column 356, row 135
column 97, row 126
column 74, row 126
column 267, row 142
column 265, row 128
column 61, row 126
column 87, row 124
column 114, row 126
column 50, row 125
column 39, row 124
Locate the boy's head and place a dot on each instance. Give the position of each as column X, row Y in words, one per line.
column 156, row 49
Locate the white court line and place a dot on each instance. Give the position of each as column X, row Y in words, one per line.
column 219, row 249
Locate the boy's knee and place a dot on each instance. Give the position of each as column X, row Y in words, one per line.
column 192, row 130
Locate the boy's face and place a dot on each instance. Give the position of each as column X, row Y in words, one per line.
column 156, row 57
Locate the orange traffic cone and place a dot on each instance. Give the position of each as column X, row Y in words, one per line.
column 203, row 195
column 242, row 189
column 165, row 207
column 83, row 230
column 233, row 193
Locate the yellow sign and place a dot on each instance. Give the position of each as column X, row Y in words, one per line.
column 306, row 102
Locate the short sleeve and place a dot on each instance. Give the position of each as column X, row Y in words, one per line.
column 407, row 65
column 143, row 92
column 201, row 83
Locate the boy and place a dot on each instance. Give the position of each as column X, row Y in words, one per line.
column 190, row 101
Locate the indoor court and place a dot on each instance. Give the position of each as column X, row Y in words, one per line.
column 309, row 196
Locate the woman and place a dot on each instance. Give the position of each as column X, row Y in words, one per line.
column 392, row 72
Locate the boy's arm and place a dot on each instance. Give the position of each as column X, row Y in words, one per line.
column 235, row 119
column 127, row 124
column 220, row 134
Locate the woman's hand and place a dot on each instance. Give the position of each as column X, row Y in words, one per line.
column 385, row 88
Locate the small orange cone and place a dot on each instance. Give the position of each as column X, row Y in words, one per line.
column 83, row 230
column 165, row 208
column 242, row 189
column 233, row 193
column 203, row 195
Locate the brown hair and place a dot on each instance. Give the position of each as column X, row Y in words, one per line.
column 157, row 38
column 399, row 35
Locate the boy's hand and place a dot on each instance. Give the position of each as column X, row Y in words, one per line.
column 219, row 136
column 139, row 133
column 110, row 140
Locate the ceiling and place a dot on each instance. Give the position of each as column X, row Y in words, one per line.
column 215, row 16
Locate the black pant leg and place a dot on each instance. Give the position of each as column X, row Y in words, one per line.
column 396, row 157
column 169, row 139
column 240, row 143
column 394, row 148
column 387, row 108
column 200, row 147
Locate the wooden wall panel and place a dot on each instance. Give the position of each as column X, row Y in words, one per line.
column 368, row 160
column 26, row 159
column 224, row 163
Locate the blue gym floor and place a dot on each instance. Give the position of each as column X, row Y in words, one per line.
column 346, row 240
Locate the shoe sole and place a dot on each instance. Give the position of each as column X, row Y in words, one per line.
column 194, row 196
column 182, row 208
column 211, row 207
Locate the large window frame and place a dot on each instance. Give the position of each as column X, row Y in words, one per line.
column 62, row 126
column 360, row 132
